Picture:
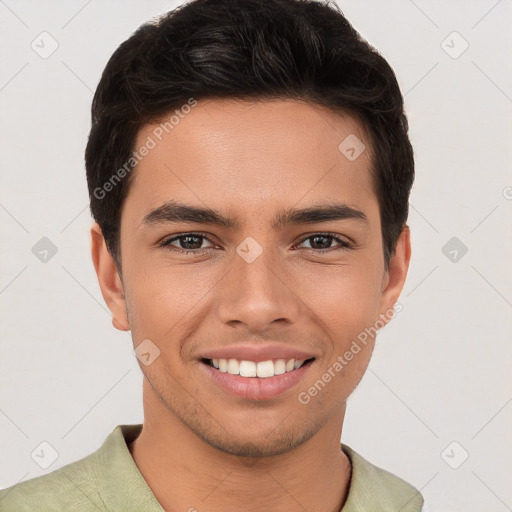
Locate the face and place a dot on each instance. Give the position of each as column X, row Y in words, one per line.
column 285, row 264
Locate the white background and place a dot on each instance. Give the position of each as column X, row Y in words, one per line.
column 441, row 369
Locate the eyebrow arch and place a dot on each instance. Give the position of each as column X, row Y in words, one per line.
column 318, row 213
column 173, row 211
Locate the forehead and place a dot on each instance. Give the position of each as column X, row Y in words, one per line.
column 231, row 153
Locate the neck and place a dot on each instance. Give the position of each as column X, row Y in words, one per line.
column 186, row 473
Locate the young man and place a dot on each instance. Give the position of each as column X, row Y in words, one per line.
column 249, row 171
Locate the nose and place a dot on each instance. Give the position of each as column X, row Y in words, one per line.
column 259, row 293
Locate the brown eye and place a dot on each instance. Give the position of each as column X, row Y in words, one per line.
column 188, row 242
column 323, row 241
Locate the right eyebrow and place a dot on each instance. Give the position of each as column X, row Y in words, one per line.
column 173, row 211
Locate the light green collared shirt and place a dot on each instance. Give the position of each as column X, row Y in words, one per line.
column 108, row 480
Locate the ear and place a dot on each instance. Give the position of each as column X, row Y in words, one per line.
column 394, row 277
column 109, row 279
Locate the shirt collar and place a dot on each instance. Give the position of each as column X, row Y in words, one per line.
column 370, row 488
column 373, row 488
column 121, row 484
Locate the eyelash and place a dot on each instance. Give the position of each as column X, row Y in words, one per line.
column 344, row 245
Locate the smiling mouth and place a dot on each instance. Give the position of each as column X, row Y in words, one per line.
column 261, row 369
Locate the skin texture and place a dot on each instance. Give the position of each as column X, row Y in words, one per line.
column 200, row 446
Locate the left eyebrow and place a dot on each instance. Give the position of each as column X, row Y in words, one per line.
column 173, row 211
column 317, row 214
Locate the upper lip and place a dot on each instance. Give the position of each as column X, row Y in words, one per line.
column 257, row 353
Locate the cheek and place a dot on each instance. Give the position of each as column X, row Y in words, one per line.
column 345, row 298
column 161, row 300
column 344, row 302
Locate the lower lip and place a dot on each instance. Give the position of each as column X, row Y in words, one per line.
column 255, row 388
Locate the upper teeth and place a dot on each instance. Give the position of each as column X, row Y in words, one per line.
column 262, row 369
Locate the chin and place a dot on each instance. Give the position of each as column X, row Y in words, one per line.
column 254, row 443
